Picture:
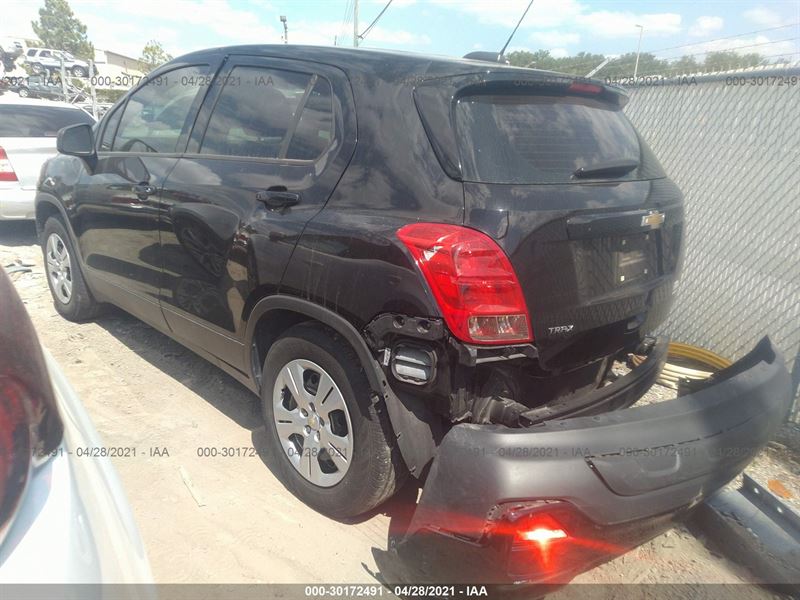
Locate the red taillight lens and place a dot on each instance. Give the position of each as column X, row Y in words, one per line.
column 541, row 529
column 472, row 280
column 6, row 170
column 30, row 426
column 15, row 447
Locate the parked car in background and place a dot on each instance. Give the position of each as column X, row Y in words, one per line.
column 60, row 496
column 43, row 60
column 39, row 86
column 28, row 130
column 423, row 267
column 49, row 88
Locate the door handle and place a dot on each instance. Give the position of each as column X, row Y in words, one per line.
column 143, row 190
column 277, row 197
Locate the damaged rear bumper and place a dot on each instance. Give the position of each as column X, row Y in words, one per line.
column 603, row 483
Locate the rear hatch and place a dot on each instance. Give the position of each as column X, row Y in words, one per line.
column 557, row 175
column 28, row 136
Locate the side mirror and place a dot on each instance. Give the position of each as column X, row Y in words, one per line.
column 76, row 140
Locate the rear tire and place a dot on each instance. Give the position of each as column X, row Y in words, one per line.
column 80, row 72
column 23, row 92
column 71, row 296
column 335, row 396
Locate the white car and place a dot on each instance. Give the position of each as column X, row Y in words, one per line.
column 47, row 59
column 28, row 130
column 61, row 501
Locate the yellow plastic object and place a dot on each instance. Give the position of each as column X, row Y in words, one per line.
column 701, row 355
column 672, row 373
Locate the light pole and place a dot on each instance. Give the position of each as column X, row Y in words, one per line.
column 285, row 30
column 638, row 49
column 355, row 24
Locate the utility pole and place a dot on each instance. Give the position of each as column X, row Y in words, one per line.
column 63, row 80
column 92, row 89
column 285, row 30
column 355, row 23
column 638, row 49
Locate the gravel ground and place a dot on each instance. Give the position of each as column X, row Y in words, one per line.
column 240, row 525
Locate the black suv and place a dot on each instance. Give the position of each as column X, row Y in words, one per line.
column 422, row 266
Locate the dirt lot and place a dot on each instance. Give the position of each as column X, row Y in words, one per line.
column 229, row 520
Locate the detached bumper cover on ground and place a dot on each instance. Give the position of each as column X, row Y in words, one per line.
column 603, row 484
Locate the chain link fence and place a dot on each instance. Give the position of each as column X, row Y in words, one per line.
column 731, row 141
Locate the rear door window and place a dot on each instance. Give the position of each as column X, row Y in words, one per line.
column 314, row 131
column 270, row 113
column 38, row 121
column 513, row 138
column 159, row 112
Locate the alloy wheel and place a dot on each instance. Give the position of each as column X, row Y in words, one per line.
column 59, row 268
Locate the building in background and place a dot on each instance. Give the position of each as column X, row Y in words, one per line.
column 116, row 71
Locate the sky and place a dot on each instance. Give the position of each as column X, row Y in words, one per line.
column 448, row 27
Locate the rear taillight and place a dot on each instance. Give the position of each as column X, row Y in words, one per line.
column 472, row 281
column 6, row 170
column 551, row 541
column 15, row 447
column 30, row 426
column 541, row 529
column 541, row 543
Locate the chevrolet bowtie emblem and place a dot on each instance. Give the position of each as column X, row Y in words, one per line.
column 653, row 220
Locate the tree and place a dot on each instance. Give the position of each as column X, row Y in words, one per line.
column 521, row 58
column 153, row 55
column 623, row 66
column 685, row 65
column 730, row 61
column 58, row 28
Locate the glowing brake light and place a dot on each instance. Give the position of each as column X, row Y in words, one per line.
column 6, row 170
column 472, row 281
column 542, row 535
column 540, row 528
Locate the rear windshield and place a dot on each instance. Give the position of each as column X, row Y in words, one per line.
column 38, row 121
column 540, row 139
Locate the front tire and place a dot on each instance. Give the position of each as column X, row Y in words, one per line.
column 80, row 72
column 23, row 92
column 71, row 296
column 335, row 449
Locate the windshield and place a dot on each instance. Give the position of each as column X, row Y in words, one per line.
column 513, row 138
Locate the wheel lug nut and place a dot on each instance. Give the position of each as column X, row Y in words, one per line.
column 304, row 412
column 316, row 436
column 307, row 430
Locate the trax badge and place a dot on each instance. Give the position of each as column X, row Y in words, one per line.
column 653, row 220
column 560, row 329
